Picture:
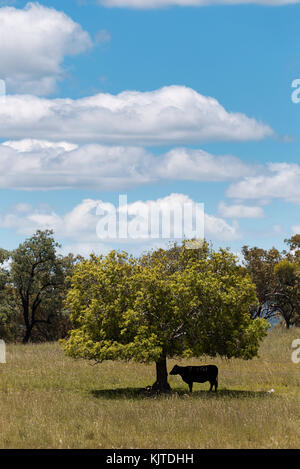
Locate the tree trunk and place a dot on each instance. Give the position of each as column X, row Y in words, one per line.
column 161, row 384
column 28, row 326
column 27, row 335
column 287, row 323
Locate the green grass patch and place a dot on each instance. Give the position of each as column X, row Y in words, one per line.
column 48, row 400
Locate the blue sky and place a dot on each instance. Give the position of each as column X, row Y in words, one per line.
column 129, row 91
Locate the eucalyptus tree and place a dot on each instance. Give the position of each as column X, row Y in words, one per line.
column 37, row 276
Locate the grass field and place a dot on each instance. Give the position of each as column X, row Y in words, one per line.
column 52, row 401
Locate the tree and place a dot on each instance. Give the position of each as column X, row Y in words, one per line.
column 168, row 303
column 277, row 279
column 293, row 255
column 260, row 264
column 294, row 245
column 217, row 300
column 8, row 311
column 285, row 297
column 53, row 307
column 37, row 277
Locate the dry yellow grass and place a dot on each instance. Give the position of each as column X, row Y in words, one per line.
column 52, row 401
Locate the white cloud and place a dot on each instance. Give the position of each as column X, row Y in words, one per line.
column 30, row 145
column 150, row 4
column 78, row 224
column 213, row 227
column 240, row 211
column 79, row 227
column 280, row 181
column 42, row 165
column 295, row 229
column 170, row 115
column 34, row 42
column 103, row 36
column 218, row 229
column 198, row 165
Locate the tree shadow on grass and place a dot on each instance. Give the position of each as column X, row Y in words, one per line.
column 118, row 393
column 231, row 393
column 140, row 393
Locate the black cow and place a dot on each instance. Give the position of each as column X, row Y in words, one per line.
column 197, row 374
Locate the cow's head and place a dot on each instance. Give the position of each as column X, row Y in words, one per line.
column 175, row 370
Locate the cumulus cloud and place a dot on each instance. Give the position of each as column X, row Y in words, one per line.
column 279, row 181
column 198, row 165
column 169, row 115
column 240, row 211
column 34, row 42
column 43, row 165
column 150, row 4
column 188, row 218
column 86, row 225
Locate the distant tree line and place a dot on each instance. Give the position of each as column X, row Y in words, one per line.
column 37, row 286
column 276, row 276
column 34, row 280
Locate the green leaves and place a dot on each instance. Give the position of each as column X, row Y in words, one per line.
column 167, row 303
column 277, row 279
column 37, row 284
column 217, row 305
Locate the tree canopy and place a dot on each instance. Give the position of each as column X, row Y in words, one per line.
column 277, row 279
column 176, row 302
column 33, row 287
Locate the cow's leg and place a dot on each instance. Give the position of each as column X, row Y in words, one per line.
column 191, row 386
column 216, row 385
column 211, row 385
